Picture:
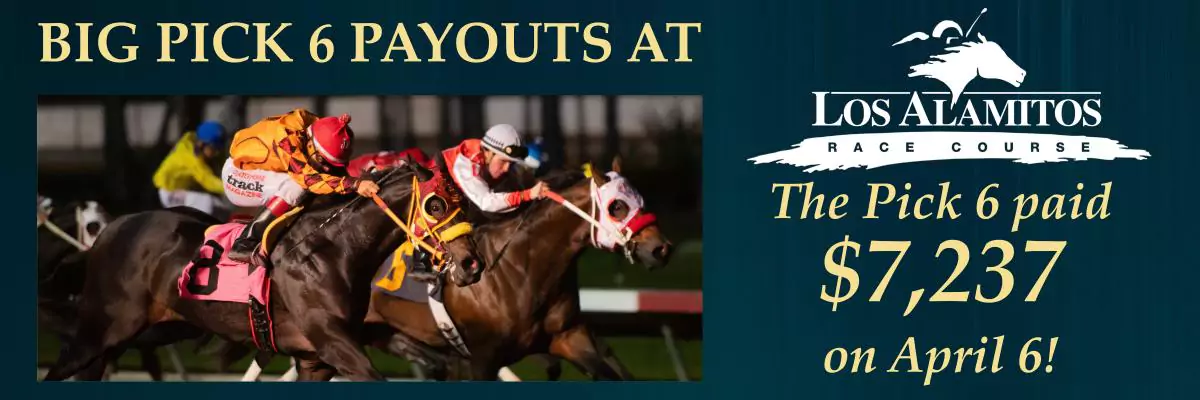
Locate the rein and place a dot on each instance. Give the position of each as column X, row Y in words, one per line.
column 500, row 253
column 623, row 238
column 59, row 232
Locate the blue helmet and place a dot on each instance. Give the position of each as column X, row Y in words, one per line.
column 534, row 156
column 211, row 133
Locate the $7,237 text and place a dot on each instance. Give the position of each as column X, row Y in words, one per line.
column 835, row 264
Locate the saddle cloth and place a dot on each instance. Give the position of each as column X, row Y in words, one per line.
column 212, row 276
column 393, row 280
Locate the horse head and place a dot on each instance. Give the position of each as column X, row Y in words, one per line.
column 994, row 63
column 624, row 221
column 433, row 211
column 82, row 219
column 961, row 64
column 92, row 219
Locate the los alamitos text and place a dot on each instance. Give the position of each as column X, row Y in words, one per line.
column 471, row 42
column 847, row 256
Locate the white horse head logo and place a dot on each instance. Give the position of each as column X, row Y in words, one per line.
column 960, row 64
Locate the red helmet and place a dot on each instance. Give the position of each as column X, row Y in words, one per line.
column 332, row 136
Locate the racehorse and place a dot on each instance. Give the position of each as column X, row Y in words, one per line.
column 68, row 231
column 320, row 281
column 958, row 65
column 65, row 231
column 527, row 302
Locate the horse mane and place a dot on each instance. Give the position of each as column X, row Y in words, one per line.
column 952, row 54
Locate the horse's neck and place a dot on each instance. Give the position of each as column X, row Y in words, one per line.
column 381, row 236
column 549, row 242
column 360, row 230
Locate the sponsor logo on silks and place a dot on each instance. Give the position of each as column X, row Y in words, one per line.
column 244, row 186
column 905, row 127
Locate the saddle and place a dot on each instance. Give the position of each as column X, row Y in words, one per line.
column 212, row 276
column 273, row 233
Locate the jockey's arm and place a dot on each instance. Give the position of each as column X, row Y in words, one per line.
column 308, row 177
column 478, row 191
column 205, row 176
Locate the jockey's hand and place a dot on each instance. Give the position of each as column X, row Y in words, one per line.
column 367, row 188
column 538, row 191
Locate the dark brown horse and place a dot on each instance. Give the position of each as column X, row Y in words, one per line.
column 321, row 272
column 68, row 229
column 62, row 269
column 527, row 302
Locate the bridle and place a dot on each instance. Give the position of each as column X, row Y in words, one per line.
column 45, row 210
column 421, row 224
column 622, row 235
column 80, row 227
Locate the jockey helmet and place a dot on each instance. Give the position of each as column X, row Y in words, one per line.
column 504, row 140
column 211, row 133
column 534, row 157
column 332, row 137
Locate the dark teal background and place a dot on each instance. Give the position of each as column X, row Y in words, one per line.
column 1122, row 297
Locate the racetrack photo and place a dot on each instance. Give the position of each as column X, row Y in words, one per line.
column 358, row 238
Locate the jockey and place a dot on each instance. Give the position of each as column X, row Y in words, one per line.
column 280, row 160
column 534, row 158
column 186, row 169
column 475, row 163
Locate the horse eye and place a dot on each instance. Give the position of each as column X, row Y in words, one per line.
column 436, row 206
column 618, row 209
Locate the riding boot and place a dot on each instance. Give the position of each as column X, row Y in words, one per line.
column 244, row 246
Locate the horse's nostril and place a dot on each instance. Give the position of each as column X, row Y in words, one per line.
column 662, row 252
column 93, row 228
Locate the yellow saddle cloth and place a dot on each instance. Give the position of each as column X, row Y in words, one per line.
column 392, row 276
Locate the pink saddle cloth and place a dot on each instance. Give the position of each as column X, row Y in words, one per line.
column 213, row 276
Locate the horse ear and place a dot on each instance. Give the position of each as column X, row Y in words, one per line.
column 616, row 164
column 981, row 38
column 423, row 174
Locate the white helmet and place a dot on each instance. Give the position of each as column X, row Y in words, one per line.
column 504, row 140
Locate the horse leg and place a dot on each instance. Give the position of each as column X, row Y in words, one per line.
column 292, row 373
column 151, row 363
column 100, row 340
column 551, row 364
column 578, row 346
column 610, row 358
column 336, row 347
column 483, row 370
column 314, row 370
column 425, row 362
column 457, row 368
column 100, row 370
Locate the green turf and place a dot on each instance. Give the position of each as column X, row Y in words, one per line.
column 602, row 269
column 646, row 358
